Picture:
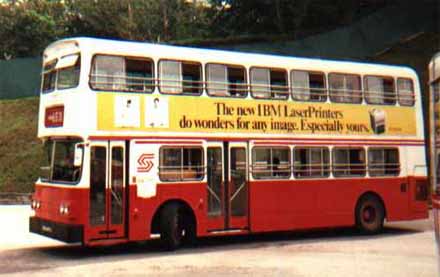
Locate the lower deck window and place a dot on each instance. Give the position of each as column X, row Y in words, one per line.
column 348, row 162
column 271, row 163
column 181, row 163
column 383, row 162
column 59, row 165
column 311, row 162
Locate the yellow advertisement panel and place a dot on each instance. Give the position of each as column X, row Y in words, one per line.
column 204, row 114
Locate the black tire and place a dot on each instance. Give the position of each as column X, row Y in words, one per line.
column 176, row 227
column 370, row 215
column 189, row 230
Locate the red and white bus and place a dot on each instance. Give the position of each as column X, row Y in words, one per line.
column 434, row 85
column 145, row 140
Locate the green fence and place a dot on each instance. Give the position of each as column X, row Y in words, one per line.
column 20, row 78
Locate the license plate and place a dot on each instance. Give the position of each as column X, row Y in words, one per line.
column 46, row 229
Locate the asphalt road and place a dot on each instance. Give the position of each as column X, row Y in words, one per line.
column 403, row 249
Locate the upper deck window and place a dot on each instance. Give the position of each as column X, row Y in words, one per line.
column 267, row 83
column 308, row 86
column 49, row 76
column 61, row 73
column 116, row 73
column 379, row 90
column 345, row 88
column 226, row 80
column 177, row 77
column 68, row 73
column 405, row 89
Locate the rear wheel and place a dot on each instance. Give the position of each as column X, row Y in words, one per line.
column 370, row 215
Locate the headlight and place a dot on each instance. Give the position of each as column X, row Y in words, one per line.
column 64, row 209
column 35, row 204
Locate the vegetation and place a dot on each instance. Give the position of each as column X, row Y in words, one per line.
column 27, row 26
column 20, row 149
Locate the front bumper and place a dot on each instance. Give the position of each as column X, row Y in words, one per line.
column 60, row 231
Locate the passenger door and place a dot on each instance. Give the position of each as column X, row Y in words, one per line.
column 227, row 186
column 237, row 187
column 107, row 194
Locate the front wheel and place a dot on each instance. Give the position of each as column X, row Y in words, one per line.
column 370, row 215
column 176, row 227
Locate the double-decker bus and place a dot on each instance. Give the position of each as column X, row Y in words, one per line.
column 434, row 86
column 146, row 140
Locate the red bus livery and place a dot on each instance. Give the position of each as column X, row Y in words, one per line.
column 145, row 140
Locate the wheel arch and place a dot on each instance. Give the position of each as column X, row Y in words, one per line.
column 187, row 210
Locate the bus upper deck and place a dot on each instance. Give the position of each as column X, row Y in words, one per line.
column 127, row 87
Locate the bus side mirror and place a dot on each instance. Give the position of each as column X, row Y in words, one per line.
column 79, row 152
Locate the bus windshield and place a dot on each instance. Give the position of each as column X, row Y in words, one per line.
column 58, row 163
column 61, row 73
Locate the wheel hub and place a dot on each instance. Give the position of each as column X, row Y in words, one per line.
column 369, row 214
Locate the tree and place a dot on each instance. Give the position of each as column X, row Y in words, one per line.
column 142, row 20
column 104, row 18
column 261, row 17
column 27, row 27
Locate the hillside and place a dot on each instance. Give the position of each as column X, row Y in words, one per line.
column 21, row 152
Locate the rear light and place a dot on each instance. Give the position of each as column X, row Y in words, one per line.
column 421, row 191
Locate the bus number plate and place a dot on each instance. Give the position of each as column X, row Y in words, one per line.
column 54, row 116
